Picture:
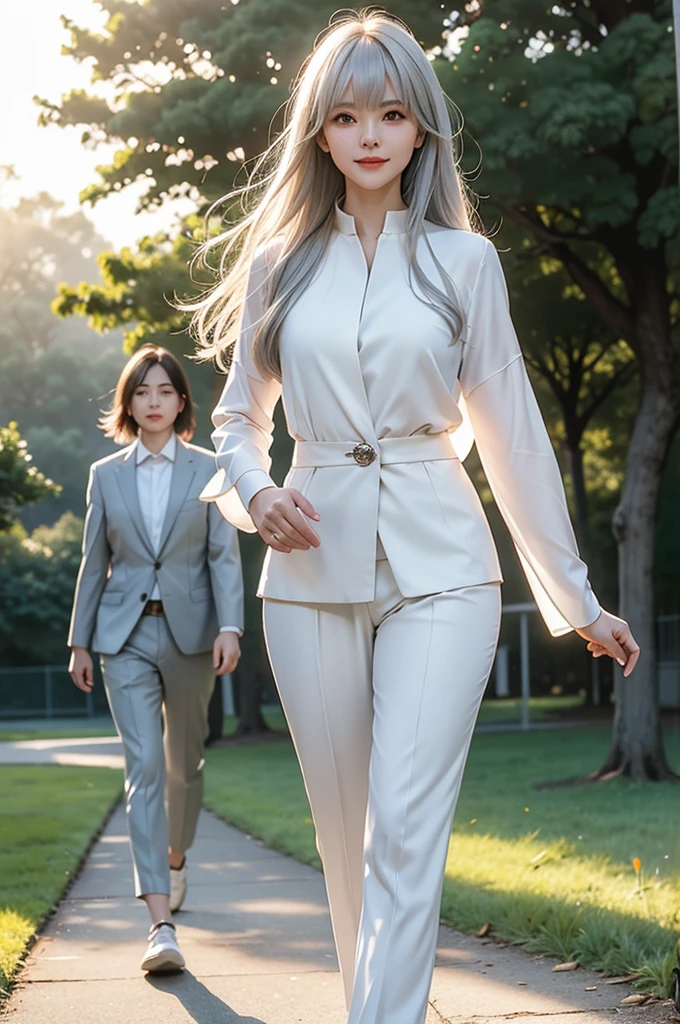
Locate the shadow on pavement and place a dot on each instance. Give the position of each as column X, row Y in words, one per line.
column 197, row 1000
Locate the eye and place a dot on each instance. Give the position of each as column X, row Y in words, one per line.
column 394, row 115
column 343, row 118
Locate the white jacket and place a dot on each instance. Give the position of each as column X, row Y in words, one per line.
column 364, row 359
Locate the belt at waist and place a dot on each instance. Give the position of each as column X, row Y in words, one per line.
column 153, row 608
column 389, row 451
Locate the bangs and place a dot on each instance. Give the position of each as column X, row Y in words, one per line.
column 119, row 423
column 363, row 67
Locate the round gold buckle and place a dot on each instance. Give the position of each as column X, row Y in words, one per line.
column 363, row 454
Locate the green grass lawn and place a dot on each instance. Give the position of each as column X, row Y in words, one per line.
column 48, row 815
column 550, row 868
column 541, row 709
column 72, row 729
column 57, row 730
column 505, row 710
column 493, row 712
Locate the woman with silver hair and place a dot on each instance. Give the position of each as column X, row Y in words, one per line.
column 356, row 289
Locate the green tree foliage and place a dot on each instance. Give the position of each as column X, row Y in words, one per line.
column 137, row 290
column 195, row 84
column 56, row 375
column 576, row 361
column 21, row 483
column 194, row 90
column 574, row 106
column 37, row 579
column 56, row 396
column 39, row 247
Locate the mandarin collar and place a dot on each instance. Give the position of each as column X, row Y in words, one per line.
column 396, row 222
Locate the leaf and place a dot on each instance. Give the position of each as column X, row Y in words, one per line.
column 484, row 930
column 568, row 965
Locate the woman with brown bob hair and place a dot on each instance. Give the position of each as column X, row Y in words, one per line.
column 160, row 598
column 119, row 423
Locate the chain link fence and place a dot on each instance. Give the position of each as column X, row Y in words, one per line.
column 47, row 691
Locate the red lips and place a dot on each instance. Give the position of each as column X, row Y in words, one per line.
column 371, row 161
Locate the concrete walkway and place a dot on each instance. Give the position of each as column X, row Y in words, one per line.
column 86, row 752
column 257, row 939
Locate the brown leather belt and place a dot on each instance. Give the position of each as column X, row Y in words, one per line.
column 153, row 608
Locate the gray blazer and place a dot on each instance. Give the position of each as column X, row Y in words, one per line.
column 197, row 566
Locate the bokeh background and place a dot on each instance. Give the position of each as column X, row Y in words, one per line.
column 121, row 123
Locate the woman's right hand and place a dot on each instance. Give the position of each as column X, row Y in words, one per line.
column 279, row 515
column 80, row 669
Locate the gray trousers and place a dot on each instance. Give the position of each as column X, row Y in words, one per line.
column 159, row 701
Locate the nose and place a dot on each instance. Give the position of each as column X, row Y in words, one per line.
column 370, row 137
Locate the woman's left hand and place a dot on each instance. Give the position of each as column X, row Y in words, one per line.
column 226, row 653
column 611, row 635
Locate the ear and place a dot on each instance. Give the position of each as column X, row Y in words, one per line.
column 420, row 138
column 182, row 403
column 321, row 142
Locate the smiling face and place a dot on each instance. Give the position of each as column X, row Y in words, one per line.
column 155, row 403
column 371, row 146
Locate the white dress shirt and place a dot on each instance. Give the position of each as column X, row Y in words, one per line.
column 154, row 479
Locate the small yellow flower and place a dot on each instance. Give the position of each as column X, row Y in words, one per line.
column 637, row 864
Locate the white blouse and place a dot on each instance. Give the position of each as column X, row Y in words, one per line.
column 365, row 358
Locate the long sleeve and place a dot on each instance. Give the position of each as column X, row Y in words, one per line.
column 93, row 568
column 226, row 577
column 243, row 419
column 518, row 458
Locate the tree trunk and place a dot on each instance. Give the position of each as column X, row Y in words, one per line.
column 250, row 718
column 582, row 527
column 575, row 458
column 637, row 745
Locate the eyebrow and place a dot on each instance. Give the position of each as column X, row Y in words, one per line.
column 384, row 103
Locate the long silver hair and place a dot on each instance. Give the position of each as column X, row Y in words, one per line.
column 288, row 203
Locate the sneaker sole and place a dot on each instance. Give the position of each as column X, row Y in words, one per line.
column 167, row 962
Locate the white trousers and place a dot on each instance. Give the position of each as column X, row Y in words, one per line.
column 381, row 699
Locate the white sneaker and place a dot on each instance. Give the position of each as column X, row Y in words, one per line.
column 163, row 954
column 178, row 886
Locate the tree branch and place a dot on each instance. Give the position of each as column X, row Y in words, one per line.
column 611, row 12
column 590, row 364
column 601, row 396
column 608, row 307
